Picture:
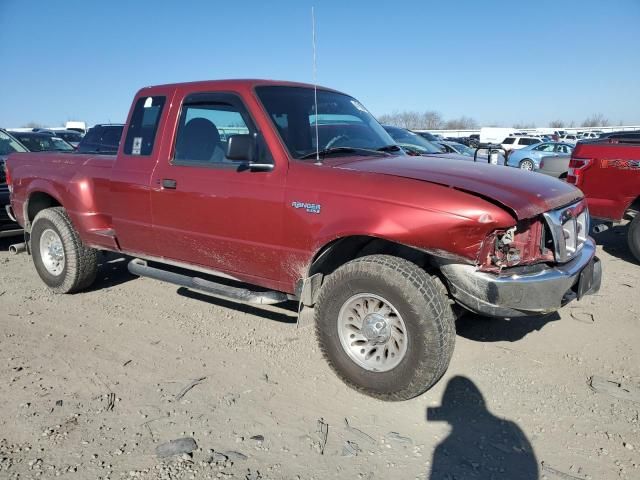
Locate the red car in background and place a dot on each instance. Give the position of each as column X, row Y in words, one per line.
column 608, row 172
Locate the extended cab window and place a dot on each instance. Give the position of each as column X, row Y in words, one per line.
column 508, row 141
column 207, row 120
column 141, row 133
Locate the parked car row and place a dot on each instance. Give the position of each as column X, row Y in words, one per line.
column 416, row 144
column 8, row 145
column 101, row 139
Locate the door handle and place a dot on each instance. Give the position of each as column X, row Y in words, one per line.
column 169, row 183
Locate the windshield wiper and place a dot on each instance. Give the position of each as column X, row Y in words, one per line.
column 389, row 148
column 329, row 151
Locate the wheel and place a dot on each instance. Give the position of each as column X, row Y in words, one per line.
column 526, row 164
column 61, row 260
column 385, row 326
column 633, row 236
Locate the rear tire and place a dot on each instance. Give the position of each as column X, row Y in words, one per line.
column 415, row 310
column 63, row 263
column 633, row 236
column 527, row 164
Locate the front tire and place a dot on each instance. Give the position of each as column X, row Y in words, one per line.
column 633, row 236
column 385, row 326
column 527, row 164
column 62, row 261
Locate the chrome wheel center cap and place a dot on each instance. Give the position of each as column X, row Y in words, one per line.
column 376, row 329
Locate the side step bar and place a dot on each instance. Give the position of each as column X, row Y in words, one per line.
column 139, row 267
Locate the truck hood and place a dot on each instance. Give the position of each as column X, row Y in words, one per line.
column 526, row 194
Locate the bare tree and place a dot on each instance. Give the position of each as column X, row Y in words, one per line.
column 462, row 123
column 596, row 120
column 428, row 120
column 556, row 124
column 524, row 125
column 413, row 120
column 432, row 120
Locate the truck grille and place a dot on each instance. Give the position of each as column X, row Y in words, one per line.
column 569, row 228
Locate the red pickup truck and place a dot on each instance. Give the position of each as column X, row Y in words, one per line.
column 305, row 196
column 608, row 172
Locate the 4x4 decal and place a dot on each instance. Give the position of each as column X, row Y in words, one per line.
column 309, row 207
column 621, row 164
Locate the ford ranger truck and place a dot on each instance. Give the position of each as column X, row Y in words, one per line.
column 252, row 190
column 608, row 173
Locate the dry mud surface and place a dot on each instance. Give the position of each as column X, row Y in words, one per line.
column 91, row 384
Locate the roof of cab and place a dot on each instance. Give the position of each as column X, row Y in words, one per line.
column 247, row 83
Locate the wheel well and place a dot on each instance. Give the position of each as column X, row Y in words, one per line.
column 634, row 208
column 39, row 201
column 343, row 250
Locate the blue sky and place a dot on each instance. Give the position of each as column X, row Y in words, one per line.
column 499, row 62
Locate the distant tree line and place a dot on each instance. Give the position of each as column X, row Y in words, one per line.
column 431, row 120
column 428, row 120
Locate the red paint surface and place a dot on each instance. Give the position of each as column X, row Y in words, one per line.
column 611, row 181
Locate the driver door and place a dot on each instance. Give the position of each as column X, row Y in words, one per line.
column 211, row 211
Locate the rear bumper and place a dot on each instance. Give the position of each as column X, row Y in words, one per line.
column 524, row 293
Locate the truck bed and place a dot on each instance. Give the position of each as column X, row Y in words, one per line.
column 81, row 182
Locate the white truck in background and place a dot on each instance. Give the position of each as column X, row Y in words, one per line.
column 495, row 135
column 77, row 126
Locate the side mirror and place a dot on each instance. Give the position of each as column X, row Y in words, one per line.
column 241, row 148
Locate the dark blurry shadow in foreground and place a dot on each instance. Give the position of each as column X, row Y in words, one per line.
column 480, row 445
column 489, row 329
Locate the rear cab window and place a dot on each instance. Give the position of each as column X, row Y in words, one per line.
column 143, row 126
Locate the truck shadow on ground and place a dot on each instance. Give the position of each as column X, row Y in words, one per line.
column 488, row 329
column 112, row 271
column 285, row 312
column 614, row 242
column 480, row 445
column 6, row 242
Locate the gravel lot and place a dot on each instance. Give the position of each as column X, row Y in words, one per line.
column 90, row 385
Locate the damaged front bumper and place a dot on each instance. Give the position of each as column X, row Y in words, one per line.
column 522, row 291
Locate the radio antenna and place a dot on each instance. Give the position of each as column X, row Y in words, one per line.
column 315, row 83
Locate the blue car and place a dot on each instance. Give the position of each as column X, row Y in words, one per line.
column 528, row 158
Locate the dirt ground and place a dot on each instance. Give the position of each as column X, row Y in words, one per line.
column 90, row 385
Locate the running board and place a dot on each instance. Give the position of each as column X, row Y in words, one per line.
column 139, row 267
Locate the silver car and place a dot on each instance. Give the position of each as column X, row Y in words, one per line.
column 556, row 166
column 528, row 158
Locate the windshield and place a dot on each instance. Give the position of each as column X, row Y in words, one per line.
column 44, row 143
column 70, row 136
column 462, row 149
column 412, row 141
column 60, row 145
column 342, row 122
column 9, row 145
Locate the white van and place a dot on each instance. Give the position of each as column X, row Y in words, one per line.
column 495, row 135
